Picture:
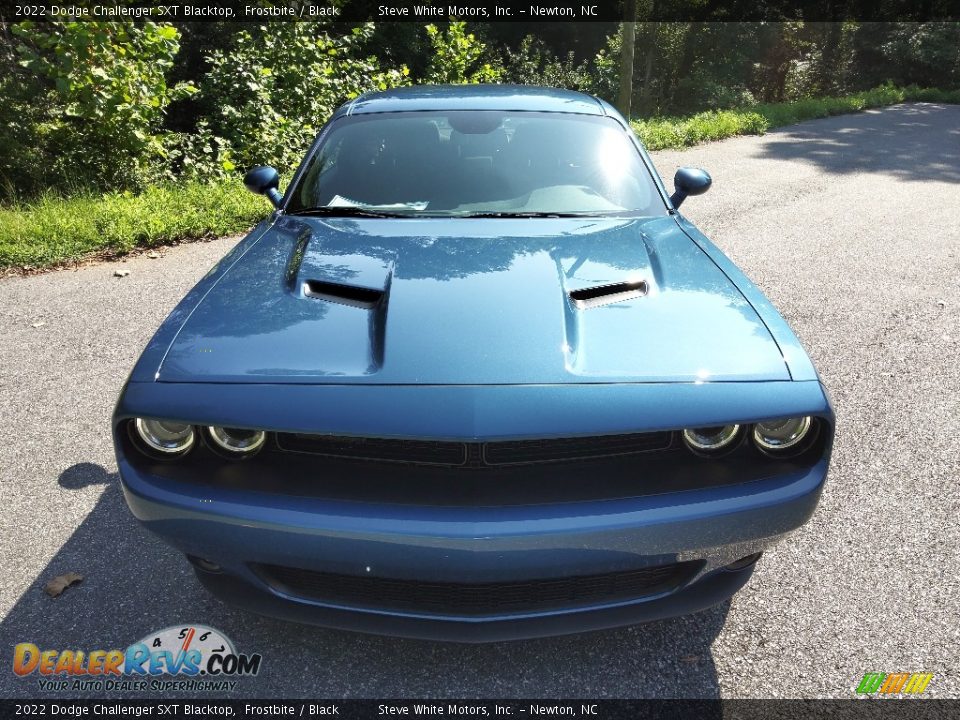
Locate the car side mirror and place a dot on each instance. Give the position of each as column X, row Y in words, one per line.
column 689, row 181
column 264, row 180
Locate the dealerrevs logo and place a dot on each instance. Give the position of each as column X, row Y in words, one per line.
column 201, row 657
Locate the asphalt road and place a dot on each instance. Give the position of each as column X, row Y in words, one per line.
column 850, row 225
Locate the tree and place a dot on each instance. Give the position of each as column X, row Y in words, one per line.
column 273, row 89
column 626, row 58
column 459, row 57
column 97, row 93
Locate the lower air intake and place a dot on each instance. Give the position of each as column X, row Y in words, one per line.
column 477, row 598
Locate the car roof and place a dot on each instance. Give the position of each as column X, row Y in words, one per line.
column 475, row 97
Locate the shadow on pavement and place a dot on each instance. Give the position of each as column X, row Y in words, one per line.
column 133, row 584
column 896, row 141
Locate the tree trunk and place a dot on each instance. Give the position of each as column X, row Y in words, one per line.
column 646, row 91
column 691, row 45
column 626, row 58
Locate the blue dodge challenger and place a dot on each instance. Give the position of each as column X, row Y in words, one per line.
column 475, row 378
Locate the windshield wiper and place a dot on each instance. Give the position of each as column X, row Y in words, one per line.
column 354, row 211
column 507, row 214
column 348, row 211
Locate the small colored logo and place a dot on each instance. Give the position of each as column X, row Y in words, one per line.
column 894, row 683
column 188, row 651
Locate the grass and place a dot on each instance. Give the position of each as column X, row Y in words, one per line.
column 54, row 230
column 676, row 133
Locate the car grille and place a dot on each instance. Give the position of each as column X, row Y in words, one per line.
column 523, row 451
column 479, row 598
column 453, row 454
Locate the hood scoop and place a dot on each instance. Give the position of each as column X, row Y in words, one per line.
column 359, row 297
column 498, row 302
column 586, row 298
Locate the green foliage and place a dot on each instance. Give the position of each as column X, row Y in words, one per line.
column 96, row 107
column 675, row 133
column 96, row 93
column 273, row 89
column 683, row 68
column 199, row 155
column 931, row 95
column 54, row 229
column 606, row 65
column 925, row 52
column 533, row 63
column 662, row 133
column 704, row 80
column 780, row 114
column 459, row 57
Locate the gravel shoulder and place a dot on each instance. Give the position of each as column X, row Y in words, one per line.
column 848, row 224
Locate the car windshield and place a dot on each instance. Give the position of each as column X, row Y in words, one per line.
column 476, row 164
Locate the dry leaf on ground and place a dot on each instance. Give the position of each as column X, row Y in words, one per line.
column 55, row 587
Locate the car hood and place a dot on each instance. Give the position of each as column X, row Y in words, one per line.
column 473, row 301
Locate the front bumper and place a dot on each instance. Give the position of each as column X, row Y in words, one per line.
column 241, row 527
column 240, row 530
column 711, row 590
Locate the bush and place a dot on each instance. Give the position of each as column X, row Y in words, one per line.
column 272, row 91
column 606, row 71
column 924, row 52
column 701, row 92
column 458, row 57
column 659, row 133
column 199, row 156
column 532, row 63
column 97, row 94
column 663, row 133
column 931, row 95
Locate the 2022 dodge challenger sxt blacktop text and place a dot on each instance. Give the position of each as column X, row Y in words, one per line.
column 475, row 378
